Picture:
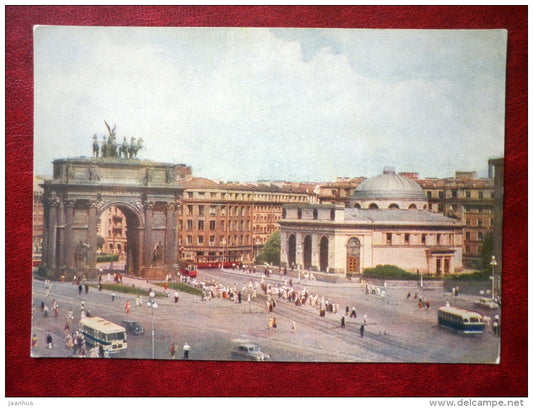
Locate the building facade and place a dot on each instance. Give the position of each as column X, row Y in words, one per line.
column 387, row 222
column 465, row 197
column 469, row 199
column 228, row 223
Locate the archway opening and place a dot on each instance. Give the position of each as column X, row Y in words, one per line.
column 324, row 253
column 119, row 240
column 292, row 251
column 308, row 251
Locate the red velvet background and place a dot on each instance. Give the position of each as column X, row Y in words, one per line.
column 26, row 377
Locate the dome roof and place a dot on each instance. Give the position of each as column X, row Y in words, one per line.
column 388, row 186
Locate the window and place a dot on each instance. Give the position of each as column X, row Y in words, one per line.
column 480, row 222
column 441, row 194
column 213, row 210
column 428, row 194
column 424, row 239
column 189, row 194
column 438, row 239
column 189, row 210
column 189, row 239
column 467, row 194
column 480, row 195
column 212, row 225
column 389, row 238
column 454, row 193
column 406, row 239
column 315, row 214
column 200, row 225
column 200, row 239
column 480, row 236
column 189, row 224
column 467, row 235
column 212, row 239
column 201, row 210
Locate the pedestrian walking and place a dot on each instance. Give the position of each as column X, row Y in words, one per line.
column 186, row 351
column 293, row 327
column 127, row 306
column 362, row 330
column 80, row 289
column 353, row 314
column 34, row 342
column 112, row 296
column 343, row 322
column 172, row 352
column 49, row 341
column 137, row 301
column 176, row 297
column 45, row 310
column 86, row 288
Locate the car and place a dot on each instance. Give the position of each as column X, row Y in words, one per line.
column 133, row 327
column 485, row 303
column 249, row 352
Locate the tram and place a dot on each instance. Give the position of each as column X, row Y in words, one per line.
column 461, row 320
column 188, row 268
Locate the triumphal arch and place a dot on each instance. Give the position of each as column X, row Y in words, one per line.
column 148, row 194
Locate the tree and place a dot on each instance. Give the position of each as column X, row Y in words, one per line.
column 100, row 241
column 487, row 250
column 271, row 251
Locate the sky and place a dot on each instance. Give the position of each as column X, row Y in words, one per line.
column 248, row 104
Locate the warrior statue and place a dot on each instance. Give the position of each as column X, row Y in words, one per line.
column 96, row 148
column 123, row 149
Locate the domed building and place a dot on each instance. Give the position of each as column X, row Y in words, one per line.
column 386, row 222
column 389, row 191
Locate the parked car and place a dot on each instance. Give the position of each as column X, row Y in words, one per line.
column 133, row 327
column 486, row 303
column 249, row 352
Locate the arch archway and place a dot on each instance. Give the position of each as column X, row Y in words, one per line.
column 324, row 254
column 146, row 192
column 292, row 251
column 308, row 251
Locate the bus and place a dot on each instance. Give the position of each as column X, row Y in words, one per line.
column 461, row 320
column 100, row 332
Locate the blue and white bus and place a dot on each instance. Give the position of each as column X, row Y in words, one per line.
column 100, row 332
column 461, row 320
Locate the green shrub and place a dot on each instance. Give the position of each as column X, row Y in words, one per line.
column 472, row 276
column 389, row 272
column 107, row 258
column 117, row 287
column 394, row 272
column 182, row 287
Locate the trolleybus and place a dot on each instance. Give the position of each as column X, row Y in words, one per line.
column 100, row 332
column 461, row 320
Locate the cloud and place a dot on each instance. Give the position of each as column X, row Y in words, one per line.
column 247, row 104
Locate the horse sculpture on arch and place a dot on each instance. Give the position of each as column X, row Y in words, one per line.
column 109, row 147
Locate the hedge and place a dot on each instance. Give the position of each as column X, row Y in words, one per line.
column 107, row 258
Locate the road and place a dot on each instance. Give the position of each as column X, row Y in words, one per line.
column 396, row 330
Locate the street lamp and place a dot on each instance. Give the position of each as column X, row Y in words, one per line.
column 493, row 264
column 153, row 305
